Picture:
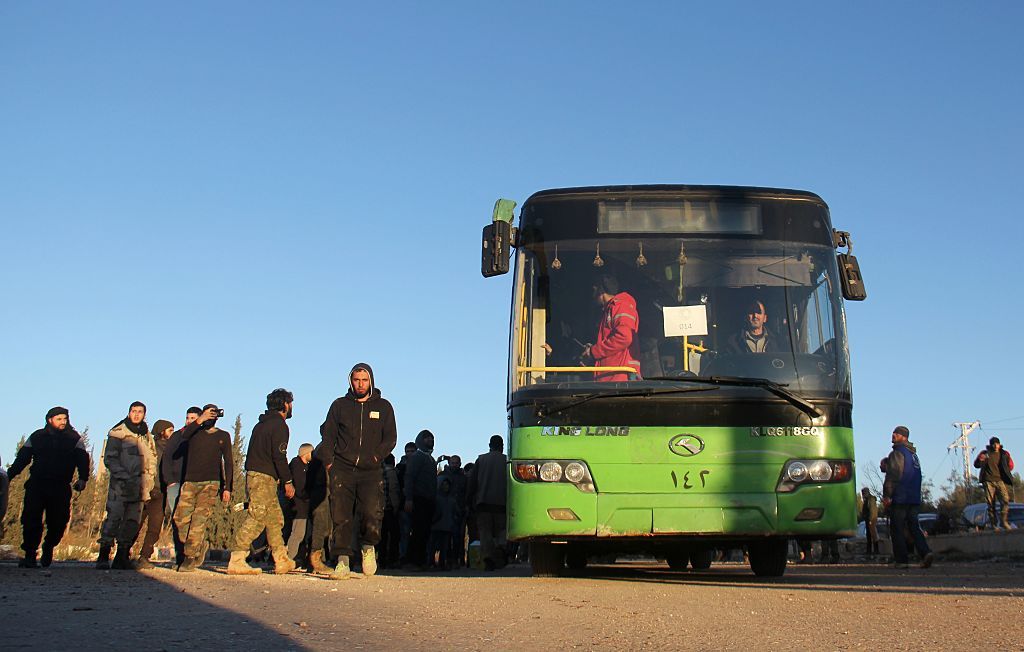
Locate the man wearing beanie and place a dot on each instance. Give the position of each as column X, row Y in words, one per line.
column 901, row 494
column 130, row 458
column 358, row 433
column 420, row 489
column 55, row 452
column 996, row 476
column 153, row 509
column 209, row 473
column 487, row 495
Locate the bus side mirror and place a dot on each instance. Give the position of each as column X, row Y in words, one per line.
column 497, row 247
column 852, row 281
column 849, row 269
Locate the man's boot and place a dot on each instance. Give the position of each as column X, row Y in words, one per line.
column 369, row 561
column 283, row 564
column 188, row 565
column 47, row 557
column 122, row 561
column 29, row 561
column 342, row 572
column 316, row 560
column 237, row 565
column 103, row 559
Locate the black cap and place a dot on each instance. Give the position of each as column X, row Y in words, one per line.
column 902, row 430
column 496, row 442
column 994, row 441
column 54, row 411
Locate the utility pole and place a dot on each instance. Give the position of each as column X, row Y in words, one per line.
column 963, row 442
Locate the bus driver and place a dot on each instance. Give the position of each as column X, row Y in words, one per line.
column 755, row 336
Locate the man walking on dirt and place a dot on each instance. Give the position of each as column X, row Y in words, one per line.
column 54, row 452
column 266, row 466
column 358, row 433
column 901, row 493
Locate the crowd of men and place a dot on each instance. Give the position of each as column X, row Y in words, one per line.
column 346, row 499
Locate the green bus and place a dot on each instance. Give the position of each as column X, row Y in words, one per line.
column 679, row 376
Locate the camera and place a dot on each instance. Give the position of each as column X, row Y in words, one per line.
column 220, row 413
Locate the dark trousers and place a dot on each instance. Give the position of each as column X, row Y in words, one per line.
column 419, row 529
column 903, row 519
column 152, row 523
column 357, row 508
column 323, row 528
column 440, row 544
column 55, row 501
column 390, row 533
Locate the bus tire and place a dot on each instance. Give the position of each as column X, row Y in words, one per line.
column 677, row 560
column 546, row 559
column 576, row 558
column 768, row 558
column 701, row 558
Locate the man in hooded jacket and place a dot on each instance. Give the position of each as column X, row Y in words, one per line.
column 420, row 491
column 358, row 433
column 130, row 458
column 54, row 452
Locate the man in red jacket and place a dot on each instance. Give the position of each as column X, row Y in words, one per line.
column 616, row 334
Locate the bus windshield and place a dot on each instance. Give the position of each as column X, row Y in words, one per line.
column 594, row 314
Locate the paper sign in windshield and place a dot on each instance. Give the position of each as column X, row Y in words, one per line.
column 685, row 320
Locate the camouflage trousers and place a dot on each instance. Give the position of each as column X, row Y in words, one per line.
column 997, row 495
column 264, row 512
column 195, row 507
column 124, row 514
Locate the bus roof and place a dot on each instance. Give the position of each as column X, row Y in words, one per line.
column 663, row 191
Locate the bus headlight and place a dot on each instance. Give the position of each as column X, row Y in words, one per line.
column 797, row 473
column 574, row 472
column 550, row 471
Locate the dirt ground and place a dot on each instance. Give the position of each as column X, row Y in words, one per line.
column 624, row 606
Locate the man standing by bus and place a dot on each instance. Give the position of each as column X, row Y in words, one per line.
column 358, row 433
column 901, row 494
column 996, row 475
column 616, row 334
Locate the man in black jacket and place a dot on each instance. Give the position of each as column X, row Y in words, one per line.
column 266, row 466
column 172, row 469
column 358, row 433
column 55, row 452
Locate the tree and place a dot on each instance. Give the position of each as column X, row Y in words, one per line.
column 15, row 503
column 226, row 521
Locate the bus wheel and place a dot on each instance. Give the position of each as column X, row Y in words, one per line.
column 677, row 560
column 576, row 558
column 546, row 559
column 700, row 559
column 768, row 558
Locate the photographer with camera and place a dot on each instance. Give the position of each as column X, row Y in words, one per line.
column 209, row 472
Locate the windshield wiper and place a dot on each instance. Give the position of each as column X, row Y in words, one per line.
column 778, row 389
column 650, row 391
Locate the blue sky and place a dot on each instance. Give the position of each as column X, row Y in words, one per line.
column 202, row 202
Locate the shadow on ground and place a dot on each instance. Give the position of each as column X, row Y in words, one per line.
column 960, row 579
column 81, row 608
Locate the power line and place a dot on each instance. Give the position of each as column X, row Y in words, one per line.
column 1004, row 420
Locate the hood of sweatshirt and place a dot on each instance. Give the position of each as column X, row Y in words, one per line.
column 362, row 366
column 421, row 441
